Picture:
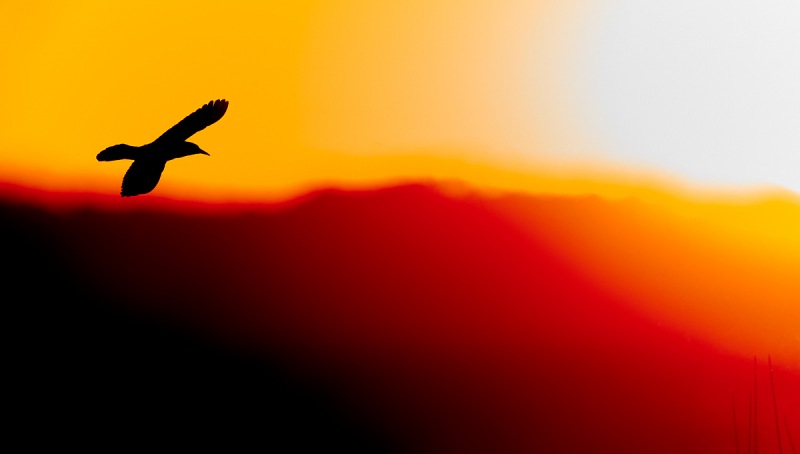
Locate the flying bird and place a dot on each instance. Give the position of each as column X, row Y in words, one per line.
column 149, row 160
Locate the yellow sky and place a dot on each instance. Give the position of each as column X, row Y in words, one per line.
column 342, row 91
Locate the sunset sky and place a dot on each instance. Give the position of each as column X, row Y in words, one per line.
column 506, row 93
column 647, row 154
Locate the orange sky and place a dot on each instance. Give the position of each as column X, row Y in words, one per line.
column 724, row 271
column 321, row 92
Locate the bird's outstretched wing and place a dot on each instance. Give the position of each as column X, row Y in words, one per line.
column 116, row 152
column 142, row 177
column 197, row 120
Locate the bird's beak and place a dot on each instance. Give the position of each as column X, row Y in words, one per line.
column 203, row 152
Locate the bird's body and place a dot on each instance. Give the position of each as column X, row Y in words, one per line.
column 149, row 160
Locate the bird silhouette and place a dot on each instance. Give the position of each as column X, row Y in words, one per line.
column 149, row 160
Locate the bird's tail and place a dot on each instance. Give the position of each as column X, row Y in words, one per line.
column 117, row 152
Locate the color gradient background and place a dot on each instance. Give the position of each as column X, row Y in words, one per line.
column 406, row 201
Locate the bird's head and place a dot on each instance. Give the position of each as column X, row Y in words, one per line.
column 186, row 149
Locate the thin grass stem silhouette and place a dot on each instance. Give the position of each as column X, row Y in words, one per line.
column 789, row 433
column 755, row 405
column 749, row 422
column 775, row 404
column 735, row 429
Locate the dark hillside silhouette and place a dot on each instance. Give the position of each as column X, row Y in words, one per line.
column 149, row 160
column 396, row 319
column 83, row 370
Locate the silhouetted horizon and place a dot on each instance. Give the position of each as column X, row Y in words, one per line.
column 398, row 319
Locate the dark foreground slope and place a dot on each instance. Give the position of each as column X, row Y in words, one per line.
column 394, row 320
column 86, row 368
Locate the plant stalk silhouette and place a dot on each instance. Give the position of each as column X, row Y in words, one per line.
column 149, row 160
